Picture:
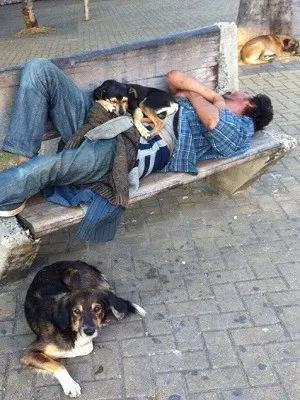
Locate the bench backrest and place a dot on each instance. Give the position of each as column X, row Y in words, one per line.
column 208, row 54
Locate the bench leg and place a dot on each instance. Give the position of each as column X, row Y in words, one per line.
column 240, row 177
column 17, row 248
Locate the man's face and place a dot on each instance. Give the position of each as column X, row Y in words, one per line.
column 237, row 101
column 237, row 96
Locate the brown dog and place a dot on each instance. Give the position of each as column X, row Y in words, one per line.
column 262, row 49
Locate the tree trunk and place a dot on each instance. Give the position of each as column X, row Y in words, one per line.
column 28, row 14
column 86, row 10
column 263, row 17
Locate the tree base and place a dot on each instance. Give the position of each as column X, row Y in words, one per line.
column 35, row 31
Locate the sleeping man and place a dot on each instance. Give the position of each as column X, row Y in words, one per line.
column 206, row 125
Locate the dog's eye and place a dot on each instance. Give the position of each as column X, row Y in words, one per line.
column 76, row 311
column 97, row 309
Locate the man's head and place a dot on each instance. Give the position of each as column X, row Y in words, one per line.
column 258, row 108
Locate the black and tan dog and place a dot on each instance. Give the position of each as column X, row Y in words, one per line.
column 65, row 305
column 265, row 48
column 146, row 104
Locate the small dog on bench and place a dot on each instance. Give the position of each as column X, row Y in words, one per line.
column 65, row 305
column 146, row 104
column 262, row 49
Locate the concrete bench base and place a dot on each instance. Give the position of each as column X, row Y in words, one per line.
column 17, row 248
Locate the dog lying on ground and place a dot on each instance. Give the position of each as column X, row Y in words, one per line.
column 65, row 304
column 262, row 49
column 146, row 104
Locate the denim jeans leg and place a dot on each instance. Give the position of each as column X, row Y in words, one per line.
column 44, row 91
column 87, row 164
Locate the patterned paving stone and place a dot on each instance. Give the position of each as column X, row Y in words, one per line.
column 228, row 297
column 259, row 335
column 257, row 365
column 180, row 361
column 170, row 386
column 264, row 393
column 220, row 349
column 202, row 381
column 290, row 375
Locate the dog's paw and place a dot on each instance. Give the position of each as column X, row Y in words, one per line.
column 110, row 108
column 144, row 132
column 74, row 142
column 72, row 389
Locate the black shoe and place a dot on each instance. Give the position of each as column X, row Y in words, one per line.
column 9, row 210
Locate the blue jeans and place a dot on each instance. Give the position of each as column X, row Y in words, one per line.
column 46, row 91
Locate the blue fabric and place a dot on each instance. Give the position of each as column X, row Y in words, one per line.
column 44, row 90
column 231, row 136
column 102, row 218
column 80, row 166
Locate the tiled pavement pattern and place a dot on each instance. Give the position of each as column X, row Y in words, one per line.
column 219, row 277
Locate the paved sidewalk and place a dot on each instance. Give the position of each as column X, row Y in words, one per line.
column 219, row 277
column 112, row 22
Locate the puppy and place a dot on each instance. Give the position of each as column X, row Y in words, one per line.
column 65, row 305
column 146, row 104
column 262, row 49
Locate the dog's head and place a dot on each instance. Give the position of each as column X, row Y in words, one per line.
column 85, row 311
column 291, row 45
column 113, row 96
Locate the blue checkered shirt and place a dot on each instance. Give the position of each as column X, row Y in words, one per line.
column 231, row 136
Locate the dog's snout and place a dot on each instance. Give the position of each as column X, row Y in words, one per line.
column 89, row 330
column 121, row 111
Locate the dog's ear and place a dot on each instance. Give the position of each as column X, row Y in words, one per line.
column 71, row 278
column 61, row 316
column 132, row 92
column 132, row 98
column 100, row 93
column 286, row 43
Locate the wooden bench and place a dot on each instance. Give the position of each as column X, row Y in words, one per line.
column 208, row 54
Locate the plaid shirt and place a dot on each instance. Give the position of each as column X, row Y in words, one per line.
column 230, row 137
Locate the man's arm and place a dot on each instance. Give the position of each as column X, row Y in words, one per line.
column 180, row 83
column 205, row 101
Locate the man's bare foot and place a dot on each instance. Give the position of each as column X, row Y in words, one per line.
column 8, row 160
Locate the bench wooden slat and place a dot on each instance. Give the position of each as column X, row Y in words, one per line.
column 43, row 217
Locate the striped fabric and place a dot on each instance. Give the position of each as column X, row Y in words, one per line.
column 231, row 136
column 153, row 155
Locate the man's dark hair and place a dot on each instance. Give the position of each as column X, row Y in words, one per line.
column 260, row 110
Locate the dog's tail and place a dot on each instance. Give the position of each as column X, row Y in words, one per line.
column 135, row 308
column 120, row 307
